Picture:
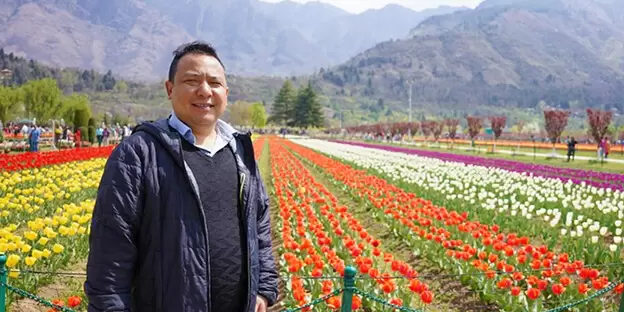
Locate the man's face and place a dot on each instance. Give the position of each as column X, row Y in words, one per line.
column 199, row 92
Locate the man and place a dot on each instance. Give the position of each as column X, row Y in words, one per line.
column 181, row 220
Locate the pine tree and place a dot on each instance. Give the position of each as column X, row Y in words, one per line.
column 283, row 106
column 308, row 110
column 315, row 110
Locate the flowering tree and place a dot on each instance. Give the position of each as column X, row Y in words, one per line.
column 599, row 122
column 497, row 123
column 474, row 126
column 555, row 122
column 452, row 129
column 438, row 128
column 414, row 126
column 427, row 127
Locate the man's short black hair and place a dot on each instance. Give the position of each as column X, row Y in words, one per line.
column 199, row 47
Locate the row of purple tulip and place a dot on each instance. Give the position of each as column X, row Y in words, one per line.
column 599, row 179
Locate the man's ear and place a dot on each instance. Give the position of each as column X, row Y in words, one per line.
column 169, row 88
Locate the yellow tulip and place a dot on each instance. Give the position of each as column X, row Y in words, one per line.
column 37, row 253
column 12, row 260
column 30, row 261
column 46, row 253
column 58, row 248
column 14, row 274
column 42, row 241
column 30, row 235
column 26, row 248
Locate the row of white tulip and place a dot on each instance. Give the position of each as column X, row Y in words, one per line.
column 576, row 209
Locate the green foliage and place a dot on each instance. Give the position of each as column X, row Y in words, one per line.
column 81, row 120
column 298, row 108
column 91, row 130
column 73, row 103
column 11, row 100
column 258, row 115
column 240, row 114
column 42, row 99
column 308, row 109
column 284, row 104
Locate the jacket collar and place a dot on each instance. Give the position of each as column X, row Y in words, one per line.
column 170, row 139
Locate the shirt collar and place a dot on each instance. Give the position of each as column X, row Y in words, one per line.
column 224, row 130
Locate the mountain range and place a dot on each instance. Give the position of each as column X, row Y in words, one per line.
column 520, row 55
column 504, row 53
column 135, row 38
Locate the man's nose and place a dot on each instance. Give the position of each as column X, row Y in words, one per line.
column 204, row 89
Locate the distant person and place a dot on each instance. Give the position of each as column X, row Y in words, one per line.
column 33, row 138
column 99, row 135
column 181, row 220
column 78, row 138
column 571, row 148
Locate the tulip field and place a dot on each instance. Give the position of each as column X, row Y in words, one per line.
column 513, row 238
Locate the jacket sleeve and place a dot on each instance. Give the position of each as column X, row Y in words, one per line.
column 268, row 273
column 114, row 226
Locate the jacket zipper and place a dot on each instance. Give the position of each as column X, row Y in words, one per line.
column 244, row 215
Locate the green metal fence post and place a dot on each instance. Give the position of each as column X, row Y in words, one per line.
column 349, row 286
column 3, row 280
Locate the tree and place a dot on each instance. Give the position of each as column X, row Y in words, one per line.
column 283, row 106
column 555, row 122
column 71, row 104
column 452, row 125
column 427, row 127
column 258, row 115
column 308, row 110
column 498, row 124
column 599, row 122
column 438, row 128
column 11, row 100
column 240, row 114
column 81, row 120
column 91, row 130
column 108, row 81
column 121, row 86
column 475, row 124
column 42, row 99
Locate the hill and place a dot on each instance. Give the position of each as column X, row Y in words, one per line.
column 505, row 54
column 134, row 38
column 109, row 94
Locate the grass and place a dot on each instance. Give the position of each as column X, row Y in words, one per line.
column 264, row 165
column 450, row 294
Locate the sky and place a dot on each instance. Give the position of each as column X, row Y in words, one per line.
column 358, row 6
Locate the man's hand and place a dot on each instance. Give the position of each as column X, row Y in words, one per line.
column 261, row 304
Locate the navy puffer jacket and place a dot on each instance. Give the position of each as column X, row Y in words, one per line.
column 148, row 242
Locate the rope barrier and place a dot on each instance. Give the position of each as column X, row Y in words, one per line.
column 36, row 298
column 348, row 291
column 597, row 294
column 423, row 276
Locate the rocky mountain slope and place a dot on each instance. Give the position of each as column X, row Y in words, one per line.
column 135, row 38
column 511, row 53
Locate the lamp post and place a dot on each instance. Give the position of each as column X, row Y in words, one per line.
column 409, row 129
